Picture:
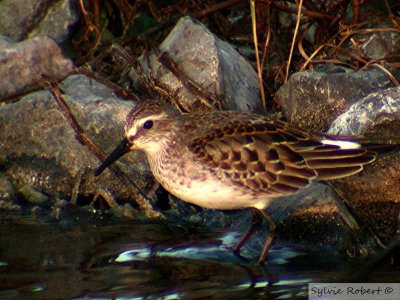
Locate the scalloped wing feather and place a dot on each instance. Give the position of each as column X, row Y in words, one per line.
column 274, row 157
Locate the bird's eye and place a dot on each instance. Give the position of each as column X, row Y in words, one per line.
column 148, row 124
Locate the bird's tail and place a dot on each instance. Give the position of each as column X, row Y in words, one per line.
column 379, row 149
column 338, row 157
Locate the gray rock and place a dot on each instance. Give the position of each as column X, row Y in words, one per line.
column 374, row 40
column 58, row 22
column 374, row 193
column 5, row 41
column 312, row 100
column 24, row 62
column 376, row 115
column 7, row 190
column 212, row 63
column 380, row 45
column 316, row 217
column 40, row 152
column 20, row 18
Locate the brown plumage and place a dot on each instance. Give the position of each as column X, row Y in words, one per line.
column 231, row 160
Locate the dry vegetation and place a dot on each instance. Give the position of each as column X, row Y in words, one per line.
column 289, row 36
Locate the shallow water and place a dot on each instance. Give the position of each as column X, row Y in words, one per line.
column 155, row 261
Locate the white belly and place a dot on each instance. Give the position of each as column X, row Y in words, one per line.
column 214, row 195
column 192, row 182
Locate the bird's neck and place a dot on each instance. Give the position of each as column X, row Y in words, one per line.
column 166, row 149
column 160, row 154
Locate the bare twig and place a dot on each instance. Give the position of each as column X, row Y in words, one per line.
column 190, row 84
column 334, row 61
column 217, row 7
column 294, row 39
column 356, row 8
column 349, row 53
column 259, row 68
column 312, row 14
column 81, row 136
column 386, row 71
column 308, row 58
column 123, row 93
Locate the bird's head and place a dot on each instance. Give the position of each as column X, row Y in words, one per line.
column 149, row 126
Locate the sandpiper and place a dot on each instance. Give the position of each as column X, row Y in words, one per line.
column 231, row 160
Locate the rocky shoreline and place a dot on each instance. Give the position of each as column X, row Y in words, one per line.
column 43, row 165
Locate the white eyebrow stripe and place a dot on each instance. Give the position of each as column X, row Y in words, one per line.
column 152, row 117
column 134, row 129
column 342, row 144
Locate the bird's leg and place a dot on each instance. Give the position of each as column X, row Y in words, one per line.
column 270, row 237
column 255, row 225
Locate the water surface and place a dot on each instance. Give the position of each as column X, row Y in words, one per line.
column 47, row 260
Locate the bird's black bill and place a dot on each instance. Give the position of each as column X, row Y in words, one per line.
column 122, row 148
